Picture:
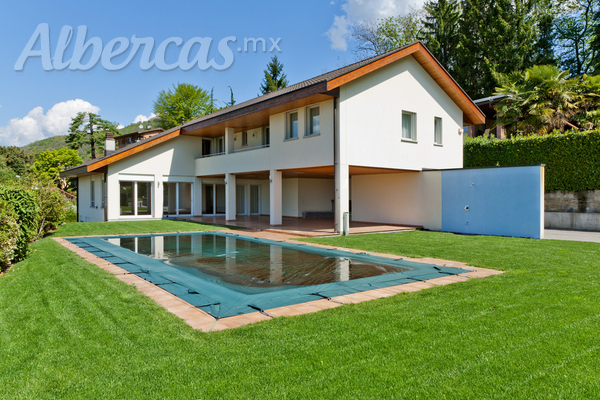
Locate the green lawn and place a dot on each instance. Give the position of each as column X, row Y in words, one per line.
column 126, row 227
column 70, row 330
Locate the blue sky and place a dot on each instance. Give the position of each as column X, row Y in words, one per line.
column 35, row 103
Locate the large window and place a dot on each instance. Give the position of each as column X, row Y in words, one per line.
column 292, row 125
column 408, row 126
column 126, row 196
column 313, row 125
column 437, row 127
column 144, row 198
column 177, row 198
column 135, row 198
column 103, row 191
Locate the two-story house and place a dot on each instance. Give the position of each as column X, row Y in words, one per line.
column 358, row 137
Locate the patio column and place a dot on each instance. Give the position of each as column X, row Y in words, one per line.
column 229, row 139
column 342, row 197
column 276, row 193
column 342, row 172
column 230, row 198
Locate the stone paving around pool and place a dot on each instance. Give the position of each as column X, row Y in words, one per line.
column 202, row 321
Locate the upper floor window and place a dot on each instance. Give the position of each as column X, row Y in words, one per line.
column 313, row 125
column 245, row 138
column 292, row 125
column 409, row 131
column 266, row 136
column 92, row 193
column 437, row 127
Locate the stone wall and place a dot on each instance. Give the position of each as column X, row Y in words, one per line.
column 573, row 210
column 585, row 201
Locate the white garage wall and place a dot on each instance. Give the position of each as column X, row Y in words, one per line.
column 87, row 213
column 412, row 198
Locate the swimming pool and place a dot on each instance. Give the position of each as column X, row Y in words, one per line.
column 226, row 274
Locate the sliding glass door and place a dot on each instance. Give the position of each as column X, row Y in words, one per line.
column 135, row 198
column 177, row 199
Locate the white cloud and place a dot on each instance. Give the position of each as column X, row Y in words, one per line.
column 338, row 33
column 143, row 118
column 364, row 10
column 36, row 125
column 120, row 126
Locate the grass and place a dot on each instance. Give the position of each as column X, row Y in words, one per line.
column 127, row 227
column 70, row 330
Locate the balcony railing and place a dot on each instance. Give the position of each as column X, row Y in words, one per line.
column 251, row 148
column 212, row 155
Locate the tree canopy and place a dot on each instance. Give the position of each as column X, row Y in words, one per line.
column 183, row 102
column 89, row 128
column 50, row 163
column 274, row 78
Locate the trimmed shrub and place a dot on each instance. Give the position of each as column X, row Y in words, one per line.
column 9, row 234
column 572, row 159
column 23, row 203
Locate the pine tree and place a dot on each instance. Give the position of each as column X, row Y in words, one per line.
column 496, row 37
column 88, row 128
column 274, row 78
column 440, row 30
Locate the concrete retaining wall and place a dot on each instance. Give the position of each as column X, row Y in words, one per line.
column 584, row 201
column 571, row 220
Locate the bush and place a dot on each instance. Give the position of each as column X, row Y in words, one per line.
column 572, row 159
column 9, row 234
column 23, row 204
column 53, row 207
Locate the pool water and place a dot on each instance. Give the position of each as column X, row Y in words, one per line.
column 246, row 266
column 226, row 274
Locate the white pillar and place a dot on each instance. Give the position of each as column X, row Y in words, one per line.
column 276, row 197
column 342, row 173
column 230, row 198
column 230, row 254
column 276, row 272
column 342, row 196
column 159, row 247
column 342, row 269
column 229, row 140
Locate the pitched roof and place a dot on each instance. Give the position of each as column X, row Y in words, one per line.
column 321, row 84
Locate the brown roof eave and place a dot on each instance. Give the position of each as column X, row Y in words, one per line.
column 317, row 88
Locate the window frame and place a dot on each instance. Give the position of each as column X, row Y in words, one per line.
column 288, row 123
column 438, row 131
column 92, row 192
column 244, row 138
column 413, row 133
column 309, row 127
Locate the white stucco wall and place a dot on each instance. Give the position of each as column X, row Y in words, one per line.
column 371, row 119
column 315, row 195
column 302, row 152
column 412, row 198
column 87, row 213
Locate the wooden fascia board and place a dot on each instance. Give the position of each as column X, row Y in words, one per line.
column 317, row 88
column 132, row 151
column 451, row 87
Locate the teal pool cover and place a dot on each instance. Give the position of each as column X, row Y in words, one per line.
column 227, row 274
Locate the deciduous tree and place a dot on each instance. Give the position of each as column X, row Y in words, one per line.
column 183, row 102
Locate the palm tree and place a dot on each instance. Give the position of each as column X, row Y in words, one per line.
column 538, row 100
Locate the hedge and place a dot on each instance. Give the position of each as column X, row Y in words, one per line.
column 23, row 203
column 572, row 159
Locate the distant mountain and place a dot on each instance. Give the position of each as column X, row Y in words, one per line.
column 58, row 142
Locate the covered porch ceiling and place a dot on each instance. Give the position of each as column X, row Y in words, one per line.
column 324, row 172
